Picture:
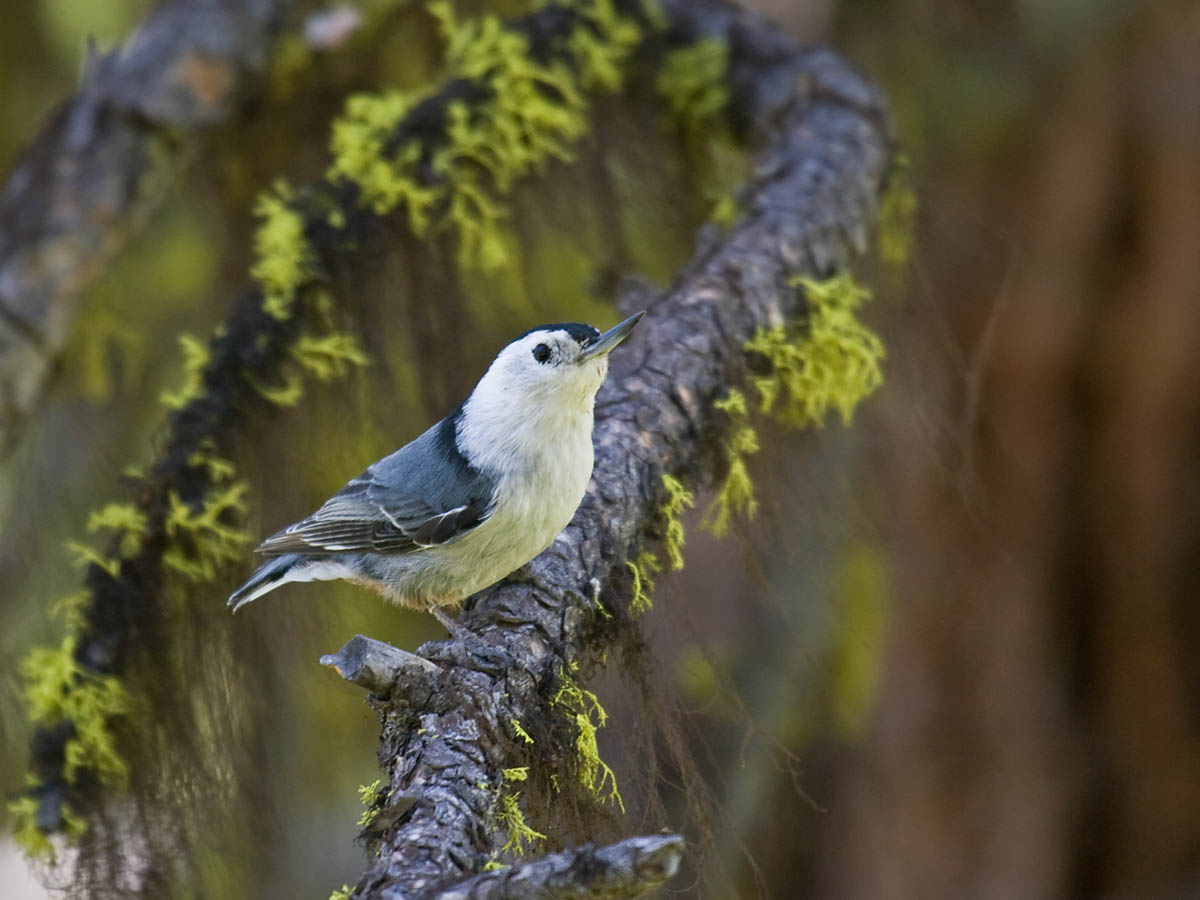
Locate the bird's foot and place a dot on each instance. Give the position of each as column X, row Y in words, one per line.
column 479, row 651
column 460, row 632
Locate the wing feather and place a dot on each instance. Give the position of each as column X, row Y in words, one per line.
column 421, row 496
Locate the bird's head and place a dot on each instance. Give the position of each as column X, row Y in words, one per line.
column 555, row 366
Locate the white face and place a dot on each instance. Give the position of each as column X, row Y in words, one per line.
column 547, row 368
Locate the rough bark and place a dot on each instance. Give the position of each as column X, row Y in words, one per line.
column 629, row 868
column 96, row 169
column 447, row 733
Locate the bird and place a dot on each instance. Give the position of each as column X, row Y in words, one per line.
column 474, row 498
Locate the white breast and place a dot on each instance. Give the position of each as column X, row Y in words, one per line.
column 541, row 455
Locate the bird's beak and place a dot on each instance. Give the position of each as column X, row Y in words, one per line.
column 607, row 341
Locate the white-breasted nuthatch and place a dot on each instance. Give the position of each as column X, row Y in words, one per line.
column 475, row 497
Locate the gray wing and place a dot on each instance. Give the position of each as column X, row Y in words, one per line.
column 422, row 495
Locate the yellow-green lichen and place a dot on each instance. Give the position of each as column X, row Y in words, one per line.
column 832, row 364
column 283, row 258
column 517, row 773
column 217, row 467
column 371, row 795
column 286, row 394
column 84, row 555
column 494, row 864
column 644, row 570
column 57, row 688
column 679, row 498
column 510, row 817
column 201, row 540
column 602, row 47
column 519, row 731
column 195, row 358
column 126, row 520
column 71, row 608
column 735, row 496
column 588, row 716
column 345, row 892
column 530, row 112
column 692, row 80
column 359, row 147
column 35, row 843
column 328, row 356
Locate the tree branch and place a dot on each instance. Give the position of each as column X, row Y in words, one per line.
column 93, row 174
column 450, row 732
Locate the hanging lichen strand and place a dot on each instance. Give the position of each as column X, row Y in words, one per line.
column 443, row 159
column 831, row 362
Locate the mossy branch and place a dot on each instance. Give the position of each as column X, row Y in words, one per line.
column 450, row 735
column 479, row 706
column 515, row 99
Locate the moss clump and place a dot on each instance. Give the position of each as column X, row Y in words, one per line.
column 58, row 689
column 644, row 569
column 514, row 112
column 372, row 796
column 195, row 358
column 602, row 44
column 510, row 817
column 328, row 356
column 358, row 145
column 736, row 493
column 325, row 357
column 583, row 708
column 202, row 540
column 833, row 364
column 679, row 498
column 36, row 844
column 128, row 523
column 693, row 82
column 519, row 731
column 283, row 257
column 647, row 566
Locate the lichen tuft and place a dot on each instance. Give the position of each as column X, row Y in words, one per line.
column 833, row 364
column 692, row 80
column 583, row 708
column 735, row 496
column 510, row 817
column 679, row 498
column 283, row 257
column 645, row 568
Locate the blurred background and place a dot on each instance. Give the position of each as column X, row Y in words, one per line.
column 957, row 654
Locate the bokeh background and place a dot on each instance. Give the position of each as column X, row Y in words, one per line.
column 955, row 655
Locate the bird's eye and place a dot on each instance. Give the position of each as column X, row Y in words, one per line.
column 541, row 353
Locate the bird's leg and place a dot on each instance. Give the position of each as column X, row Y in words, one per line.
column 475, row 645
column 451, row 625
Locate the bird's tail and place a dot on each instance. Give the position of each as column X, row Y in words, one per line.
column 269, row 576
